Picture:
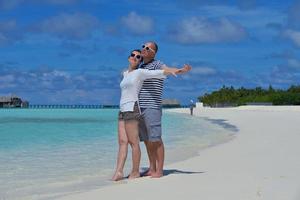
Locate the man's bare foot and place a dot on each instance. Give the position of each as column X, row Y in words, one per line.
column 149, row 173
column 117, row 176
column 157, row 175
column 134, row 175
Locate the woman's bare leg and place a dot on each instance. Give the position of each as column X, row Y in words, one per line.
column 131, row 128
column 123, row 149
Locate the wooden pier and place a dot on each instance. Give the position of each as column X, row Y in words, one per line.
column 53, row 106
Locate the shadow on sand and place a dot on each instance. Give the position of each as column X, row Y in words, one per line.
column 223, row 123
column 176, row 171
column 171, row 171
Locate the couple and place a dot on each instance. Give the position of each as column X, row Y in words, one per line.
column 141, row 110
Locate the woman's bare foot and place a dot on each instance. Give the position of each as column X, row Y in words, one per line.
column 134, row 175
column 117, row 176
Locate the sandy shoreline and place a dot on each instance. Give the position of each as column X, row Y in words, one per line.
column 262, row 162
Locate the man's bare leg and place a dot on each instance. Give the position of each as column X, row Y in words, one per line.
column 151, row 156
column 160, row 157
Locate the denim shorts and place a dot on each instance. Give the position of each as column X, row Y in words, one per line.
column 130, row 115
column 150, row 125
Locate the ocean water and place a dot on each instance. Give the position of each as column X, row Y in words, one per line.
column 46, row 153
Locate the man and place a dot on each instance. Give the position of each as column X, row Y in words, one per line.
column 150, row 101
column 192, row 105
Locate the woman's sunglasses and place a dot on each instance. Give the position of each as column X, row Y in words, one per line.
column 148, row 48
column 135, row 55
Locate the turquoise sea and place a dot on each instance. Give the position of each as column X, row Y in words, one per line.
column 45, row 153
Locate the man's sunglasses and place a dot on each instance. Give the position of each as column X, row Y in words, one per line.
column 135, row 55
column 148, row 48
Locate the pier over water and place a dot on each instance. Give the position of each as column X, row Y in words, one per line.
column 59, row 106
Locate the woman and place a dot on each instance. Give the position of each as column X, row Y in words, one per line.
column 129, row 112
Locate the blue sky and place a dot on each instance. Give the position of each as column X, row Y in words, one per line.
column 73, row 51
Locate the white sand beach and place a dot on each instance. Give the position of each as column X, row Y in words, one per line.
column 261, row 162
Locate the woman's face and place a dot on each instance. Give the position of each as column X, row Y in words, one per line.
column 135, row 58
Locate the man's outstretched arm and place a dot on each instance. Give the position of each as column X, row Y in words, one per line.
column 186, row 68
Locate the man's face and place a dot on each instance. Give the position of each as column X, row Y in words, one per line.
column 148, row 50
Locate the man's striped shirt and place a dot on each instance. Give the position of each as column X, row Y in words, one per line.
column 150, row 95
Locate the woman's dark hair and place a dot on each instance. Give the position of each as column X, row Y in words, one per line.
column 136, row 50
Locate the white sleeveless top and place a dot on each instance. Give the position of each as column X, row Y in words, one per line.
column 131, row 85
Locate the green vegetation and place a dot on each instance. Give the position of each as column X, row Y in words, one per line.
column 229, row 96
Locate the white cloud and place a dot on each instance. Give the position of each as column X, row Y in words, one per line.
column 60, row 2
column 293, row 35
column 247, row 4
column 294, row 15
column 137, row 24
column 7, row 78
column 252, row 19
column 203, row 71
column 294, row 63
column 241, row 4
column 284, row 74
column 57, row 73
column 7, row 81
column 52, row 83
column 197, row 30
column 287, row 72
column 52, row 75
column 9, row 4
column 8, row 31
column 70, row 26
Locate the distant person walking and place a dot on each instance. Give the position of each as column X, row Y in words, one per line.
column 192, row 105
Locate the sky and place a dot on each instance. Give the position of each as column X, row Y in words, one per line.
column 74, row 51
